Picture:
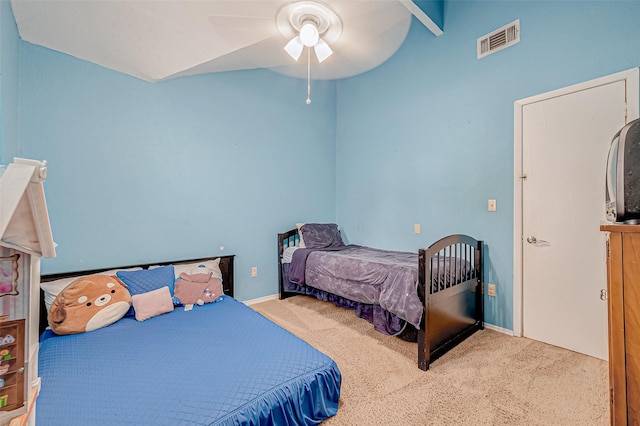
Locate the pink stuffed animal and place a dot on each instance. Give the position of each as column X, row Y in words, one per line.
column 197, row 287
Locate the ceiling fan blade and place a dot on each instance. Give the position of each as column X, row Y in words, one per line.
column 242, row 31
column 265, row 54
column 323, row 51
column 243, row 23
column 240, row 22
column 243, row 8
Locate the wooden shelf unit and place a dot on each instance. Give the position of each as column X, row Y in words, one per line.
column 623, row 286
column 12, row 381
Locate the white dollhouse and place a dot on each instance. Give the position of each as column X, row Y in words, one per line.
column 25, row 237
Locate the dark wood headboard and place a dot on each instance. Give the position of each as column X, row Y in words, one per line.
column 285, row 240
column 226, row 267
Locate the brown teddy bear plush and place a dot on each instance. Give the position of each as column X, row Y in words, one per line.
column 89, row 303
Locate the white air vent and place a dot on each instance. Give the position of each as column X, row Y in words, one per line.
column 499, row 39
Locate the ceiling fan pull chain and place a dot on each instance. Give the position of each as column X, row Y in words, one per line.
column 308, row 76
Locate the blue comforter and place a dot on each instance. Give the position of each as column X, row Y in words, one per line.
column 219, row 364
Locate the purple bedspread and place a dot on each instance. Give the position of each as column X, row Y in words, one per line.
column 299, row 262
column 383, row 321
column 363, row 274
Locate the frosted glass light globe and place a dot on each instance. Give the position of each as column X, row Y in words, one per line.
column 309, row 34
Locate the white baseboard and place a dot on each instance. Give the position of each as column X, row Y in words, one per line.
column 261, row 299
column 498, row 329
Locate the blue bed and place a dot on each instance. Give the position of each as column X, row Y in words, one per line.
column 218, row 364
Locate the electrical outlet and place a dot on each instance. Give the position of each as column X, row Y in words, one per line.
column 254, row 272
column 491, row 205
column 416, row 228
column 491, row 290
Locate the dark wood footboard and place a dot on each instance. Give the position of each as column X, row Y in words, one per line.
column 453, row 299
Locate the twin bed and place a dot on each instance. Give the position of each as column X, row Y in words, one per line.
column 218, row 364
column 433, row 296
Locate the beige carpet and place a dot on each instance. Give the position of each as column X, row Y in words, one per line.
column 489, row 379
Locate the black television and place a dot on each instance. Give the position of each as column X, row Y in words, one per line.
column 622, row 196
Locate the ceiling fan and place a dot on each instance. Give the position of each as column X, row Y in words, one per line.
column 347, row 37
column 315, row 26
column 305, row 23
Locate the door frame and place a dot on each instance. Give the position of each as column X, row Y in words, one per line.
column 631, row 78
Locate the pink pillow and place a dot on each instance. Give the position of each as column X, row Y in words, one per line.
column 152, row 303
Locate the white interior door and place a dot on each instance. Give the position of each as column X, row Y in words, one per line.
column 565, row 141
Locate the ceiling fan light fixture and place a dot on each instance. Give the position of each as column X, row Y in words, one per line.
column 323, row 51
column 294, row 48
column 293, row 16
column 306, row 21
column 309, row 34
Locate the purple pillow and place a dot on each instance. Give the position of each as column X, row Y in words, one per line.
column 321, row 235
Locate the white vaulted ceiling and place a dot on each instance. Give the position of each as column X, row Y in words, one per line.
column 159, row 39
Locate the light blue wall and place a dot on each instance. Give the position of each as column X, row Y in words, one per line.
column 9, row 78
column 142, row 172
column 428, row 136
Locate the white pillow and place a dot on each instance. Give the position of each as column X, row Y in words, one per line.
column 287, row 255
column 53, row 288
column 300, row 225
column 212, row 265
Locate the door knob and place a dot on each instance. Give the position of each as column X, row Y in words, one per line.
column 533, row 240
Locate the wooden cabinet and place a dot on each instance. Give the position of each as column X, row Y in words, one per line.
column 623, row 276
column 12, row 373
